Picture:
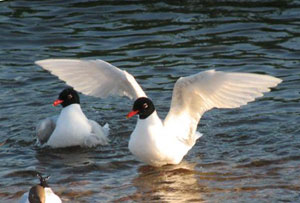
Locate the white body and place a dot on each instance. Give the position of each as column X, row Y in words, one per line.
column 50, row 197
column 74, row 129
column 156, row 144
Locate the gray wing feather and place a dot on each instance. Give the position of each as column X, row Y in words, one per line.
column 45, row 128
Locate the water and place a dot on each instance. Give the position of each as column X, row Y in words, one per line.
column 249, row 154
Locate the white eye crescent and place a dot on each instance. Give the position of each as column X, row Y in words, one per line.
column 70, row 96
column 145, row 105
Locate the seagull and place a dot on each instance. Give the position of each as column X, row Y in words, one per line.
column 71, row 127
column 154, row 141
column 40, row 193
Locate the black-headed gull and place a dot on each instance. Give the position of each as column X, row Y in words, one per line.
column 154, row 141
column 41, row 193
column 71, row 127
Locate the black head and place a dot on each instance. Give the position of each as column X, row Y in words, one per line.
column 43, row 181
column 142, row 106
column 67, row 97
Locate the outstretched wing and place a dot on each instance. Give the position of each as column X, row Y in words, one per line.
column 196, row 94
column 94, row 77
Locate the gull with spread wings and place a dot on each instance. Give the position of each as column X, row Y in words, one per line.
column 154, row 141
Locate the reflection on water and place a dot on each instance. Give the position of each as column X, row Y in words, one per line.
column 249, row 154
column 69, row 157
column 169, row 183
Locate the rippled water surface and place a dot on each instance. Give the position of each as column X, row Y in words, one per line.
column 250, row 154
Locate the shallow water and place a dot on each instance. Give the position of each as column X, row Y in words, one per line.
column 249, row 154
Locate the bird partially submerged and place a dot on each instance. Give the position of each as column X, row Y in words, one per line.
column 71, row 127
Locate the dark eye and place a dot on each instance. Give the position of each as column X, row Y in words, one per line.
column 70, row 96
column 145, row 105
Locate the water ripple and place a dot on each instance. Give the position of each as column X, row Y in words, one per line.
column 247, row 154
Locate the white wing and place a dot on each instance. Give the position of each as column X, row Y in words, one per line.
column 99, row 135
column 94, row 77
column 195, row 94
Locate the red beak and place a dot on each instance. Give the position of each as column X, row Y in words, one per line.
column 132, row 113
column 57, row 102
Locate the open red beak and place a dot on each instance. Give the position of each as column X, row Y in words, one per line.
column 131, row 113
column 57, row 102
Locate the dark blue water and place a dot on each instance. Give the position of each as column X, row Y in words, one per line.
column 249, row 154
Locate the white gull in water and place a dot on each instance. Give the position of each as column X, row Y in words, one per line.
column 154, row 141
column 71, row 127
